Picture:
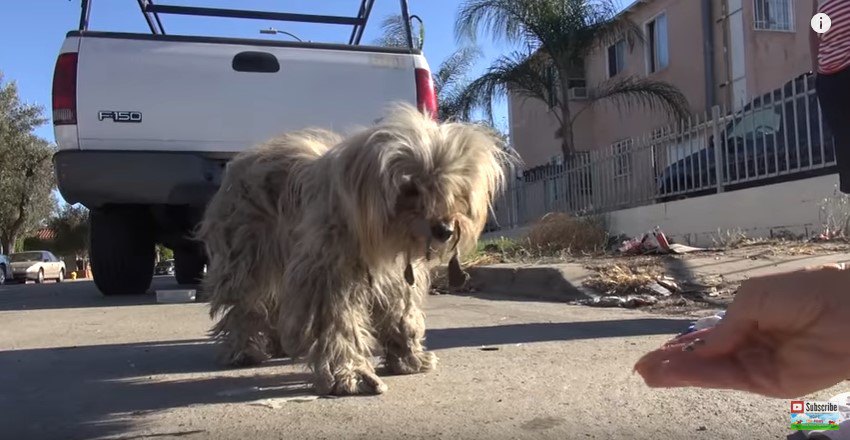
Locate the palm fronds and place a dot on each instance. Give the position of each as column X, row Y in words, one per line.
column 518, row 72
column 648, row 93
column 394, row 33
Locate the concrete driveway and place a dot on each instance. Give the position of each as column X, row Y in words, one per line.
column 75, row 365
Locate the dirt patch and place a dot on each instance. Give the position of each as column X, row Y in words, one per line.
column 665, row 284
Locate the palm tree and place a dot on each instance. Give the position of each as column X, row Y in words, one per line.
column 450, row 79
column 557, row 35
column 393, row 33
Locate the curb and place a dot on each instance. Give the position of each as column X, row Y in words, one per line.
column 562, row 282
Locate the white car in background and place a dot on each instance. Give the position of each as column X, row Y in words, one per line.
column 36, row 266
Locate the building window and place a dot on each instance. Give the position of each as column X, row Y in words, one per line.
column 622, row 158
column 616, row 58
column 656, row 31
column 774, row 15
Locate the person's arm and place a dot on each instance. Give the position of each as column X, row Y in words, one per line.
column 814, row 40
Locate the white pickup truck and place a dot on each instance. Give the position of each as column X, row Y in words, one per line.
column 145, row 123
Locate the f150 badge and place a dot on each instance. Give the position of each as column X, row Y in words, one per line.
column 119, row 116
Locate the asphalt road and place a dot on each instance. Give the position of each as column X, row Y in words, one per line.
column 75, row 365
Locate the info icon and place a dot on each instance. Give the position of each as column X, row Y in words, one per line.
column 821, row 23
column 797, row 407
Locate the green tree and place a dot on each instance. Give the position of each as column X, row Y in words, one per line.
column 26, row 171
column 450, row 78
column 164, row 253
column 71, row 226
column 556, row 37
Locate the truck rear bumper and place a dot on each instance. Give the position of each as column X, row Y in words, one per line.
column 96, row 178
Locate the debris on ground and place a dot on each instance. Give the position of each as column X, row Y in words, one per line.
column 640, row 284
column 669, row 283
column 628, row 302
column 654, row 242
column 278, row 402
column 622, row 279
column 705, row 322
column 175, row 296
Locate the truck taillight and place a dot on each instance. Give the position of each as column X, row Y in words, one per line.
column 426, row 97
column 65, row 90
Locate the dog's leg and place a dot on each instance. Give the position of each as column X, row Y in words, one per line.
column 402, row 329
column 243, row 338
column 340, row 359
column 324, row 314
column 245, row 330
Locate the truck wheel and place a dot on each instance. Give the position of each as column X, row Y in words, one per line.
column 2, row 274
column 122, row 250
column 189, row 266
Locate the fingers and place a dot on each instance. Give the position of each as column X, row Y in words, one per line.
column 686, row 338
column 672, row 367
column 705, row 358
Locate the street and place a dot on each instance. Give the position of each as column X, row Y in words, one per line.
column 75, row 365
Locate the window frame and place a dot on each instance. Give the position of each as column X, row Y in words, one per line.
column 621, row 68
column 651, row 53
column 763, row 24
column 622, row 162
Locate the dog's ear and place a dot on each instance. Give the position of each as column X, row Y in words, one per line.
column 457, row 276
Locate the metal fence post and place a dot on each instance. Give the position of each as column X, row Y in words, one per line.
column 718, row 145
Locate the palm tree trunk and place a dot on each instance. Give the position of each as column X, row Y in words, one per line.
column 567, row 141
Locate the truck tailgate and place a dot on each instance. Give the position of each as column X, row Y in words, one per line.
column 193, row 96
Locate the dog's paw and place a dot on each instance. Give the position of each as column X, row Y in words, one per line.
column 412, row 363
column 350, row 382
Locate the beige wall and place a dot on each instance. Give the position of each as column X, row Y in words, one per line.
column 533, row 129
column 685, row 70
column 532, row 126
column 775, row 57
column 772, row 58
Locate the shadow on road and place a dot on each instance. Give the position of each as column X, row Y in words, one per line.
column 438, row 339
column 74, row 294
column 95, row 391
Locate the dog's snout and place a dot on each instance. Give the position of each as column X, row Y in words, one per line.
column 442, row 231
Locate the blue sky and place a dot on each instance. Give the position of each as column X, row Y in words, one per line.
column 33, row 31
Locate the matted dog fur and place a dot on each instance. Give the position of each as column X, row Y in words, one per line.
column 321, row 246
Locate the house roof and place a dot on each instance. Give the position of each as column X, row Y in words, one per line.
column 45, row 234
column 631, row 6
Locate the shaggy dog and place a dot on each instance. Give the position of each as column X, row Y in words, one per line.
column 321, row 246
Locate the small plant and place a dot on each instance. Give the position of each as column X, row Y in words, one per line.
column 730, row 238
column 561, row 233
column 835, row 215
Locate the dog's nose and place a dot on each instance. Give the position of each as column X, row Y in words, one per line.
column 442, row 231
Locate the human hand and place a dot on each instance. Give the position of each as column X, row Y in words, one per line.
column 784, row 336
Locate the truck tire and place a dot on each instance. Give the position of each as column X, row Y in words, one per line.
column 2, row 274
column 189, row 265
column 122, row 250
